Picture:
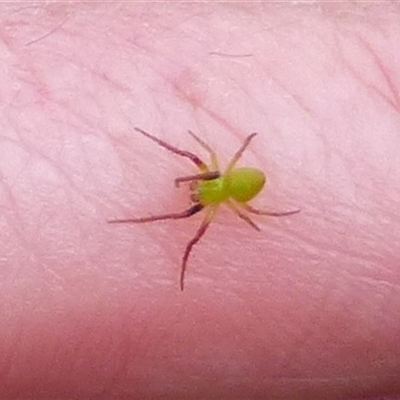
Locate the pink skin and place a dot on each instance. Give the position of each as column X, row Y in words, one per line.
column 307, row 308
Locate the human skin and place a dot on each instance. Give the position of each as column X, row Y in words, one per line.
column 306, row 308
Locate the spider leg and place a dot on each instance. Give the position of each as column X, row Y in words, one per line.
column 239, row 153
column 269, row 213
column 206, row 176
column 213, row 156
column 244, row 217
column 200, row 232
column 196, row 160
column 184, row 214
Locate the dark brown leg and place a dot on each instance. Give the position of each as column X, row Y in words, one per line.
column 184, row 214
column 239, row 153
column 196, row 160
column 200, row 232
column 213, row 156
column 244, row 217
column 206, row 176
column 269, row 213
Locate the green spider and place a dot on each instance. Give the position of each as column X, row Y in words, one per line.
column 211, row 188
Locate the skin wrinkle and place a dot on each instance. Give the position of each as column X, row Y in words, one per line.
column 286, row 302
column 43, row 37
column 393, row 91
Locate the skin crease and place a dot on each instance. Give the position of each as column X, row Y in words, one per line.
column 307, row 308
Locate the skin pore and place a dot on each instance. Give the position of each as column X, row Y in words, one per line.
column 307, row 308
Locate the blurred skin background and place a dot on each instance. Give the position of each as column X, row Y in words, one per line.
column 306, row 309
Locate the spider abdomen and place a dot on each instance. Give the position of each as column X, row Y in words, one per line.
column 244, row 183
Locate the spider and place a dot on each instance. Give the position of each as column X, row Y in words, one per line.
column 210, row 188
